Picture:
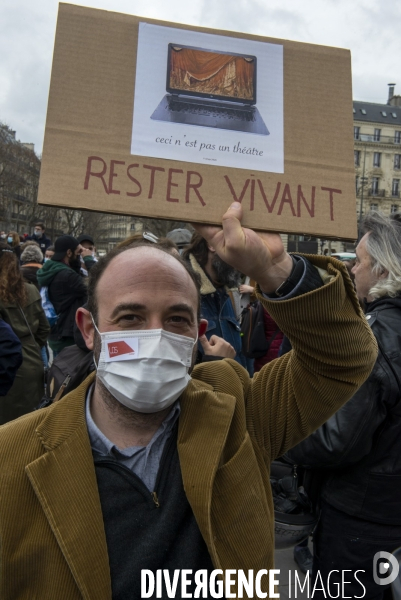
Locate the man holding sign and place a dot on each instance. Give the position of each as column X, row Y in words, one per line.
column 145, row 467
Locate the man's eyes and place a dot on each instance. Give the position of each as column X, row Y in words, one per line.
column 129, row 317
column 179, row 319
column 132, row 318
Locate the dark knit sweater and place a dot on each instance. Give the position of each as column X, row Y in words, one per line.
column 148, row 530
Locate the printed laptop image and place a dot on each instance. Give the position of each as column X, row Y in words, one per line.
column 210, row 88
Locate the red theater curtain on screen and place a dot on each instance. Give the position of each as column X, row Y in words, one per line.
column 211, row 72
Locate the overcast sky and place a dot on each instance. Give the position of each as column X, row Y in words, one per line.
column 369, row 28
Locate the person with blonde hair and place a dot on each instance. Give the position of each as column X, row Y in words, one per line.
column 358, row 450
column 21, row 308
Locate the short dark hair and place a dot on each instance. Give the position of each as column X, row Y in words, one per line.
column 199, row 248
column 40, row 224
column 100, row 267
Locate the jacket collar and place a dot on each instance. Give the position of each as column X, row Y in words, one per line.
column 64, row 478
column 203, row 433
column 64, row 482
column 207, row 286
column 32, row 264
column 383, row 303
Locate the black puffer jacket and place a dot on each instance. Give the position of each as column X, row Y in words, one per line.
column 67, row 292
column 358, row 450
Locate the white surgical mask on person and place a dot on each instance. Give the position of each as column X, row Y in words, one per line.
column 146, row 370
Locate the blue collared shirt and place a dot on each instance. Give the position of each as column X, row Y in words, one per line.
column 144, row 461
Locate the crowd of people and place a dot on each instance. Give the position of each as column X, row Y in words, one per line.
column 136, row 393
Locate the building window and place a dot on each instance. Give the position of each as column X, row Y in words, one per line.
column 375, row 186
column 374, row 207
column 356, row 184
column 377, row 159
column 356, row 133
column 397, row 137
column 397, row 161
column 395, row 188
column 394, row 208
column 377, row 134
column 357, row 158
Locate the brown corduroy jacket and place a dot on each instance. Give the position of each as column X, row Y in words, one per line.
column 52, row 539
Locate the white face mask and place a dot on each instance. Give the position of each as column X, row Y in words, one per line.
column 146, row 370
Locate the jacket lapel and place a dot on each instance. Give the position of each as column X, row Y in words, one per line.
column 203, row 427
column 64, row 481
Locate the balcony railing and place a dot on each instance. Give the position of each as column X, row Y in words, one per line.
column 384, row 139
column 377, row 193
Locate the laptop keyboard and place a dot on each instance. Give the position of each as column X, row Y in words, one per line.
column 218, row 112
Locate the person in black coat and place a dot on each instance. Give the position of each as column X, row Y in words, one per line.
column 10, row 357
column 66, row 289
column 357, row 452
column 40, row 237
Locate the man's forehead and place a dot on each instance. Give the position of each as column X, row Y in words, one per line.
column 147, row 260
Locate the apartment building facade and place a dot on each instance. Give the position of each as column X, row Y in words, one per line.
column 377, row 159
column 377, row 155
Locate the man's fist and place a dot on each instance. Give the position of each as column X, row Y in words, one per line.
column 259, row 255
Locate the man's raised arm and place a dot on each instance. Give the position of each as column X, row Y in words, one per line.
column 313, row 302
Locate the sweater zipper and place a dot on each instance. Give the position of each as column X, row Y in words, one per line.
column 172, row 439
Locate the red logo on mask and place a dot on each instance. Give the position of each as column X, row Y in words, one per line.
column 118, row 348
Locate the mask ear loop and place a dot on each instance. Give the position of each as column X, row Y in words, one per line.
column 94, row 325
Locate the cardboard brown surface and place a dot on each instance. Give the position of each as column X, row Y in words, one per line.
column 87, row 161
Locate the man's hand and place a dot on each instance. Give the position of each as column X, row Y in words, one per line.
column 216, row 346
column 86, row 252
column 259, row 255
column 246, row 289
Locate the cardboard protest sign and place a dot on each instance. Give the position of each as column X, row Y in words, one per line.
column 171, row 121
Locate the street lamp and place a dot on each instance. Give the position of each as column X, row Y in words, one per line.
column 363, row 182
column 363, row 138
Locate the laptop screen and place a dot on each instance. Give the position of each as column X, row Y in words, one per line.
column 211, row 74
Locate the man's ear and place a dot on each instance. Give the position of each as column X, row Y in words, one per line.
column 209, row 247
column 202, row 327
column 383, row 274
column 83, row 320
